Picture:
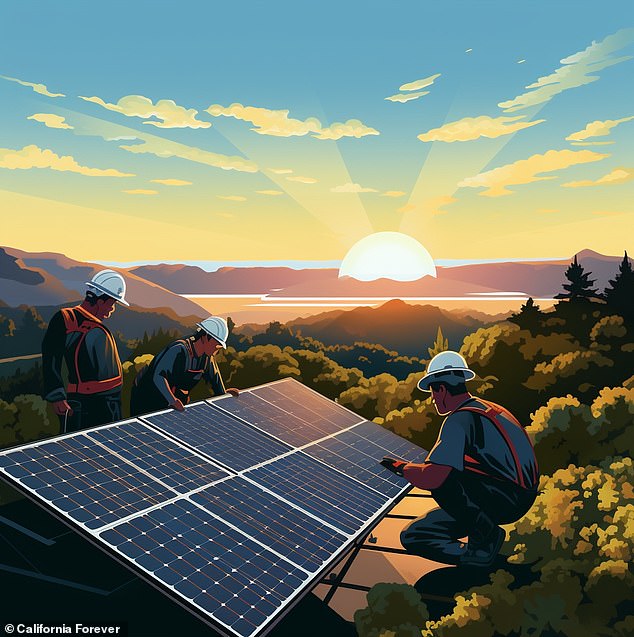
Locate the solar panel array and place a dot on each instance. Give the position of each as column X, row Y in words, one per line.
column 234, row 507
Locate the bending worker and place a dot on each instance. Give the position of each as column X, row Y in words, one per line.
column 482, row 472
column 175, row 371
column 78, row 336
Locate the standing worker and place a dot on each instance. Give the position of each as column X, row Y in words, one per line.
column 482, row 472
column 175, row 371
column 78, row 336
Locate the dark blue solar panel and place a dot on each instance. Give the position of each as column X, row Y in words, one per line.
column 218, row 435
column 287, row 530
column 162, row 458
column 357, row 453
column 218, row 569
column 324, row 492
column 89, row 484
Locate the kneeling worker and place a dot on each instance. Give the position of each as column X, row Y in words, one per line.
column 482, row 472
column 175, row 371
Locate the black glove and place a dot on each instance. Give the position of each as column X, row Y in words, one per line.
column 394, row 465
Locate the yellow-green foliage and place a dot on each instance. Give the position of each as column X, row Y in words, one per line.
column 477, row 348
column 565, row 366
column 261, row 364
column 606, row 331
column 420, row 423
column 24, row 420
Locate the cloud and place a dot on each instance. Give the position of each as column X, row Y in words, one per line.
column 170, row 114
column 38, row 88
column 416, row 85
column 591, row 143
column 272, row 193
column 432, row 206
column 171, row 182
column 576, row 71
column 140, row 191
column 393, row 193
column 34, row 157
column 468, row 50
column 406, row 97
column 618, row 176
column 281, row 171
column 50, row 121
column 598, row 128
column 470, row 128
column 302, row 180
column 277, row 123
column 232, row 197
column 122, row 138
column 526, row 171
column 352, row 188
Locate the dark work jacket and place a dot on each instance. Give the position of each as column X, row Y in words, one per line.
column 182, row 369
column 91, row 357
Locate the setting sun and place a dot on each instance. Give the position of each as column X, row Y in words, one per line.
column 387, row 255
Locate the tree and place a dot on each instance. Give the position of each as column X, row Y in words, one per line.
column 580, row 287
column 529, row 316
column 441, row 344
column 620, row 291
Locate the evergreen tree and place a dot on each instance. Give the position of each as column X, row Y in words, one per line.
column 529, row 315
column 620, row 292
column 580, row 287
column 441, row 344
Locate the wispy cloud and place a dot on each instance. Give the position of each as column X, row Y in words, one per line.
column 406, row 97
column 232, row 197
column 470, row 128
column 169, row 114
column 140, row 191
column 35, row 157
column 352, row 188
column 578, row 69
column 278, row 124
column 171, row 182
column 281, row 171
column 416, row 85
column 526, row 171
column 598, row 128
column 393, row 193
column 302, row 180
column 617, row 176
column 430, row 207
column 38, row 88
column 50, row 120
column 271, row 193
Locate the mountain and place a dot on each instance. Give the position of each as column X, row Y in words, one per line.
column 48, row 279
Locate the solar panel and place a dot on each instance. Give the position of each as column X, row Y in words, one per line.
column 234, row 515
column 221, row 437
column 355, row 453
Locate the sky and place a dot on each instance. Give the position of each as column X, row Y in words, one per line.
column 273, row 131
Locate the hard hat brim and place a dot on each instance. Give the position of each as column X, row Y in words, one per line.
column 424, row 383
column 204, row 329
column 99, row 288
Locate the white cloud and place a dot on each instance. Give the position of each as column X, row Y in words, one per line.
column 169, row 114
column 171, row 182
column 598, row 128
column 416, row 85
column 470, row 128
column 352, row 188
column 38, row 88
column 50, row 121
column 617, row 176
column 526, row 171
column 578, row 70
column 302, row 180
column 406, row 97
column 35, row 157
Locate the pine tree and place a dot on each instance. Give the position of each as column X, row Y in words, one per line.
column 529, row 315
column 620, row 292
column 580, row 287
column 441, row 344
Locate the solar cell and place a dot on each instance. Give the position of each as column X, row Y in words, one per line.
column 356, row 452
column 288, row 530
column 330, row 495
column 218, row 435
column 175, row 466
column 239, row 583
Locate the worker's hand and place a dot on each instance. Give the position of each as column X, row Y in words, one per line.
column 394, row 465
column 233, row 391
column 177, row 405
column 61, row 408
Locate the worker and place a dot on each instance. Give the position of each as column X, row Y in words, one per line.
column 482, row 472
column 177, row 369
column 78, row 337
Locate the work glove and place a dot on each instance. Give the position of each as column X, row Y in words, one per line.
column 394, row 465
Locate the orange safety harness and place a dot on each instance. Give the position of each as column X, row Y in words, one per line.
column 492, row 413
column 91, row 322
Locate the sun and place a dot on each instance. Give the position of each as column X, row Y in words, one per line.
column 387, row 255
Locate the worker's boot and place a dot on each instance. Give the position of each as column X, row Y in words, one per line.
column 484, row 542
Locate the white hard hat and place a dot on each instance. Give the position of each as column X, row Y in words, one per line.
column 108, row 282
column 439, row 369
column 215, row 327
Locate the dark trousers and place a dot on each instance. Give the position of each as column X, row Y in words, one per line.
column 91, row 411
column 469, row 505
